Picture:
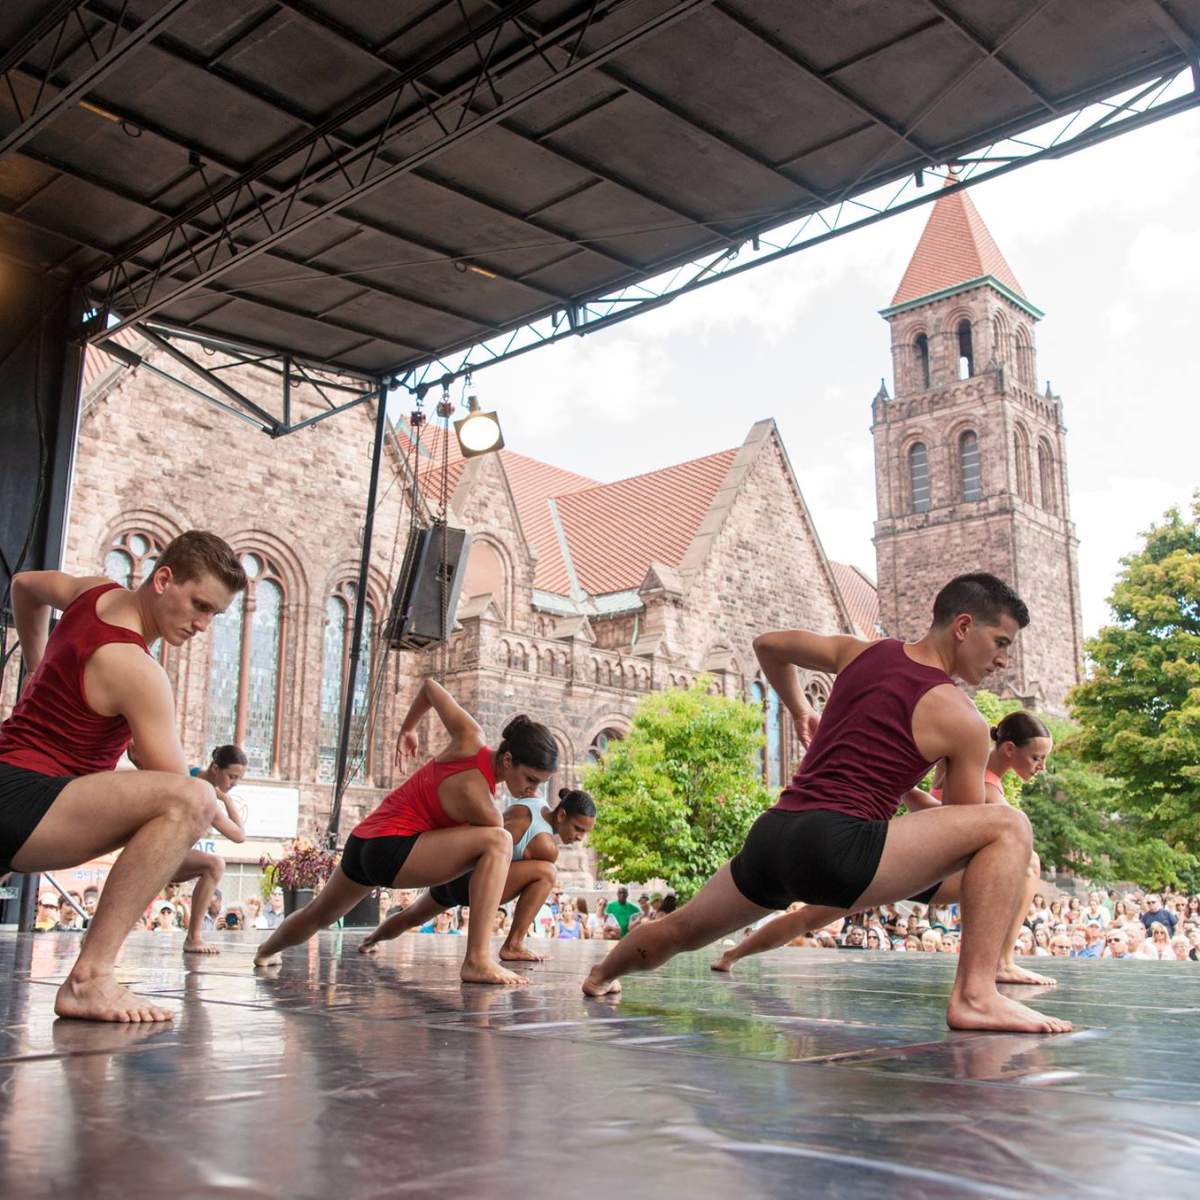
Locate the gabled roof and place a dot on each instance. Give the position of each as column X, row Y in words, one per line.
column 955, row 249
column 861, row 597
column 616, row 529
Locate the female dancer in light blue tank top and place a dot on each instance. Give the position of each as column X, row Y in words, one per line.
column 531, row 873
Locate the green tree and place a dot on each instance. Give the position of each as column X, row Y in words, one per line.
column 1140, row 711
column 676, row 797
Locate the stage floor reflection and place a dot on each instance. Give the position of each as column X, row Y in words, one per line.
column 807, row 1073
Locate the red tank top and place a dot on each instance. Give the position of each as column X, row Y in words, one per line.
column 414, row 807
column 863, row 758
column 52, row 729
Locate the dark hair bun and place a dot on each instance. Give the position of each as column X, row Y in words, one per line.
column 516, row 723
column 530, row 744
column 994, row 734
column 563, row 793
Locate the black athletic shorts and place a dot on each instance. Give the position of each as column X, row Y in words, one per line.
column 375, row 862
column 816, row 855
column 25, row 798
column 457, row 891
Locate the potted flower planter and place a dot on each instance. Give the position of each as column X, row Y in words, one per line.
column 294, row 898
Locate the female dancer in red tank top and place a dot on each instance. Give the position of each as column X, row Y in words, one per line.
column 1021, row 744
column 438, row 824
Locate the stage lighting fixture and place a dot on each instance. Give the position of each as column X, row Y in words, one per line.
column 478, row 432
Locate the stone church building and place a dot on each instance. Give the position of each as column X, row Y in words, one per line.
column 580, row 596
column 970, row 456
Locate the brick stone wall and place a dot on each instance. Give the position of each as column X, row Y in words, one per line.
column 154, row 460
column 1020, row 529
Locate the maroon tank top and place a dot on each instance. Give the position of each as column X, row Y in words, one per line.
column 863, row 758
column 52, row 729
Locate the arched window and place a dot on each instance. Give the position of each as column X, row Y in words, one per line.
column 1025, row 365
column 335, row 670
column 130, row 561
column 600, row 744
column 772, row 754
column 1046, row 476
column 999, row 338
column 918, row 477
column 921, row 346
column 247, row 664
column 966, row 353
column 131, row 558
column 1021, row 460
column 970, row 468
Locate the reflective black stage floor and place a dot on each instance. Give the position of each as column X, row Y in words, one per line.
column 811, row 1073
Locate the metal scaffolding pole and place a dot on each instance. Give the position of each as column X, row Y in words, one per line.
column 360, row 603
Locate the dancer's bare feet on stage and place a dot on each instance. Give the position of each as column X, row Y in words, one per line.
column 596, row 985
column 486, row 971
column 268, row 960
column 369, row 945
column 519, row 952
column 724, row 963
column 190, row 947
column 992, row 1011
column 1011, row 973
column 101, row 998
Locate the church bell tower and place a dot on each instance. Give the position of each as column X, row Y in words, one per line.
column 970, row 455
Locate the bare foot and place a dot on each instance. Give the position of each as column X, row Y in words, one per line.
column 595, row 985
column 102, row 998
column 992, row 1011
column 1011, row 973
column 368, row 946
column 190, row 947
column 268, row 960
column 519, row 953
column 489, row 972
column 724, row 963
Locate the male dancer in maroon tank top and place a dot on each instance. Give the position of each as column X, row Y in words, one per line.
column 893, row 712
column 93, row 687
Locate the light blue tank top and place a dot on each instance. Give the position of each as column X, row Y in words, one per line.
column 537, row 824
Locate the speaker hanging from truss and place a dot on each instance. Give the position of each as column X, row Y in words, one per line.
column 427, row 591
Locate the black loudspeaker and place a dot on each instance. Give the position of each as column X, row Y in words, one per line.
column 435, row 561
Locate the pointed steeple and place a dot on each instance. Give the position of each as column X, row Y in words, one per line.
column 955, row 251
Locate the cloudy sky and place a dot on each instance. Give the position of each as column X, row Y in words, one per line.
column 1106, row 242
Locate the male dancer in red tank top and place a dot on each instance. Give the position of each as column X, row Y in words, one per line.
column 893, row 712
column 93, row 687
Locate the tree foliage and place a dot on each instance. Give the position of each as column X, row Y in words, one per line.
column 676, row 797
column 1139, row 711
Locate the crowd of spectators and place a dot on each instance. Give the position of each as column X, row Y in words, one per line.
column 1108, row 924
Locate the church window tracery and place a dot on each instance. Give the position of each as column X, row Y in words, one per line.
column 970, row 465
column 918, row 477
column 335, row 670
column 966, row 352
column 247, row 666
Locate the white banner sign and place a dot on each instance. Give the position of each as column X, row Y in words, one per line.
column 268, row 812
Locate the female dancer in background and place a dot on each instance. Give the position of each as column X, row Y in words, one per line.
column 440, row 822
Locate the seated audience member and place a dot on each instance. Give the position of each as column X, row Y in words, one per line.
column 1157, row 945
column 1060, row 946
column 1156, row 912
column 1180, row 948
column 1116, row 945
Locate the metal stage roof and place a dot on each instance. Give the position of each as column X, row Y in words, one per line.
column 381, row 187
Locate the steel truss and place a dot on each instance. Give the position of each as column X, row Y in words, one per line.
column 249, row 217
column 1068, row 132
column 107, row 50
column 338, row 394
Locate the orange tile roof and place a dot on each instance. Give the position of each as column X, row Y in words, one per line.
column 861, row 597
column 614, row 530
column 533, row 484
column 954, row 248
